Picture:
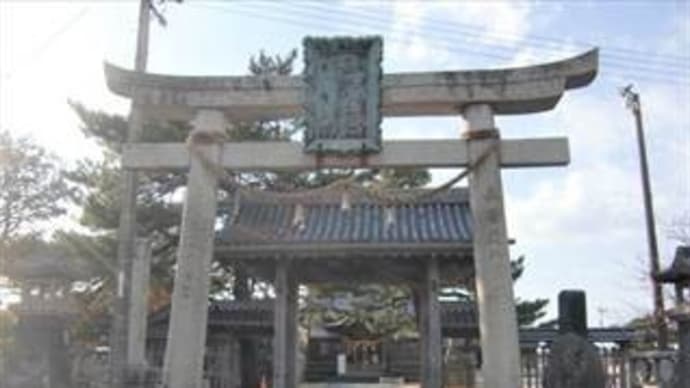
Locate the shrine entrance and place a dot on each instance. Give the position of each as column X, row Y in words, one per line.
column 364, row 357
column 319, row 241
column 343, row 95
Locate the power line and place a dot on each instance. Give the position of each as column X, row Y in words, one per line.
column 624, row 72
column 626, row 53
column 298, row 23
column 446, row 31
column 49, row 41
column 508, row 53
column 503, row 56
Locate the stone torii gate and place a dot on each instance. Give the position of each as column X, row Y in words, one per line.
column 212, row 103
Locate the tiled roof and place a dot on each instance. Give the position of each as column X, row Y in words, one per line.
column 252, row 315
column 458, row 319
column 444, row 219
column 679, row 272
column 258, row 315
column 45, row 264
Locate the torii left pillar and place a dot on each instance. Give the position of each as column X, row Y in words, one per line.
column 184, row 353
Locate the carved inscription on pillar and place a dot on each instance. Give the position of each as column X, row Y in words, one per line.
column 342, row 95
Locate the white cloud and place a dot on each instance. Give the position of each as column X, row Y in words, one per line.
column 442, row 33
column 590, row 214
column 585, row 220
column 507, row 21
column 578, row 208
column 529, row 55
column 677, row 43
column 409, row 40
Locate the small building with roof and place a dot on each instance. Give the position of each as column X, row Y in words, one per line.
column 40, row 350
column 330, row 239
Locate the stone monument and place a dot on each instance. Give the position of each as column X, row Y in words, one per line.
column 573, row 361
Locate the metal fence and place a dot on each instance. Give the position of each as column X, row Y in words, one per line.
column 624, row 368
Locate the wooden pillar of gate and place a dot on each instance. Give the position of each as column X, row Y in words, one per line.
column 285, row 327
column 430, row 327
column 184, row 354
column 497, row 317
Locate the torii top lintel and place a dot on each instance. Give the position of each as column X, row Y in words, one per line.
column 247, row 98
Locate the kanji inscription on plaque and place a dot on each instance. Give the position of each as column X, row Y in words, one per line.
column 342, row 95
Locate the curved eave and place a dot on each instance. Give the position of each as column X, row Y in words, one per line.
column 343, row 250
column 353, row 264
column 670, row 276
column 510, row 91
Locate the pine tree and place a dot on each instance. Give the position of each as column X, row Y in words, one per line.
column 528, row 311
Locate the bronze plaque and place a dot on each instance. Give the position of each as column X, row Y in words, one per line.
column 342, row 95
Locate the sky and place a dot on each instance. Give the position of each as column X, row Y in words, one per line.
column 579, row 227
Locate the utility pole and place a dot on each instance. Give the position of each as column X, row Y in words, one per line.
column 632, row 101
column 128, row 220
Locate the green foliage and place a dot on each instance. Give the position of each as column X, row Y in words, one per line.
column 371, row 310
column 266, row 65
column 31, row 188
column 32, row 192
column 95, row 186
column 96, row 190
column 528, row 311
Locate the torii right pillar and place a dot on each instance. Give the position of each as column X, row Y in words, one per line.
column 497, row 316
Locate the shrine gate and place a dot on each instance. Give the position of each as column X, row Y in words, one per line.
column 343, row 95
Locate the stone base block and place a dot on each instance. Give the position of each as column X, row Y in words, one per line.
column 142, row 377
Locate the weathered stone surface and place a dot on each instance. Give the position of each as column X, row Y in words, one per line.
column 574, row 363
column 461, row 368
column 572, row 312
column 342, row 100
column 508, row 91
column 514, row 153
column 497, row 318
column 141, row 377
column 184, row 353
column 138, row 306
